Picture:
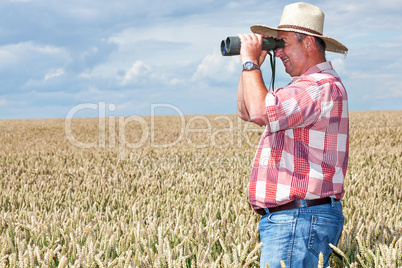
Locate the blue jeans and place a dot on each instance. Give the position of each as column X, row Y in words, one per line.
column 297, row 236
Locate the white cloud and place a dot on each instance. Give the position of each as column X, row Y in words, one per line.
column 339, row 65
column 138, row 71
column 31, row 46
column 53, row 74
column 7, row 57
column 137, row 51
column 215, row 67
column 394, row 91
column 29, row 53
column 367, row 75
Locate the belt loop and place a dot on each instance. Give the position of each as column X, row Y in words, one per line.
column 303, row 203
column 332, row 202
column 266, row 210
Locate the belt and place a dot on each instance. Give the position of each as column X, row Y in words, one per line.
column 297, row 203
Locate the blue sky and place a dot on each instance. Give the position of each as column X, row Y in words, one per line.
column 133, row 56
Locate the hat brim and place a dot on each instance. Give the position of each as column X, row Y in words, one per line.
column 332, row 45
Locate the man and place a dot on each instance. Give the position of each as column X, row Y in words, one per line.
column 296, row 181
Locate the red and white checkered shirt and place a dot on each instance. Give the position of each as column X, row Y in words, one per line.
column 303, row 152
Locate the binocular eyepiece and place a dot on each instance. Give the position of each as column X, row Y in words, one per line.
column 231, row 46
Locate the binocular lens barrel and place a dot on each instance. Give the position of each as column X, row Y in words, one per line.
column 231, row 46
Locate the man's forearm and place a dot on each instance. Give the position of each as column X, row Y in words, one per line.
column 254, row 93
column 241, row 106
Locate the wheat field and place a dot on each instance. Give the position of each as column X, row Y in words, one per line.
column 171, row 191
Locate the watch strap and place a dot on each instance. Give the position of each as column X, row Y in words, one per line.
column 249, row 65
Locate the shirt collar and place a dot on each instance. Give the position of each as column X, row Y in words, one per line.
column 323, row 66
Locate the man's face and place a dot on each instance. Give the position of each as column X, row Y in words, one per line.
column 293, row 54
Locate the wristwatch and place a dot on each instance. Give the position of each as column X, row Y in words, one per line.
column 249, row 65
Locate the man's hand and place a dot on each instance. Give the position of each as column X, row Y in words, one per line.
column 251, row 48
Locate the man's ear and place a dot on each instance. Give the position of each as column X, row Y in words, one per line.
column 309, row 43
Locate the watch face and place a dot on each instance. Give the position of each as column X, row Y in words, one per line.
column 249, row 65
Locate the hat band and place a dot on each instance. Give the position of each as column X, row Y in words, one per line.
column 299, row 28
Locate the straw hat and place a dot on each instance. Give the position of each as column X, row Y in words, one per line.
column 302, row 18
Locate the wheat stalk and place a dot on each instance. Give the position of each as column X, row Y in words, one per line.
column 179, row 205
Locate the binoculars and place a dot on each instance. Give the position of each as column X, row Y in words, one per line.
column 231, row 46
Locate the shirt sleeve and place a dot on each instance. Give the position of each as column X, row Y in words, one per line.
column 297, row 105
